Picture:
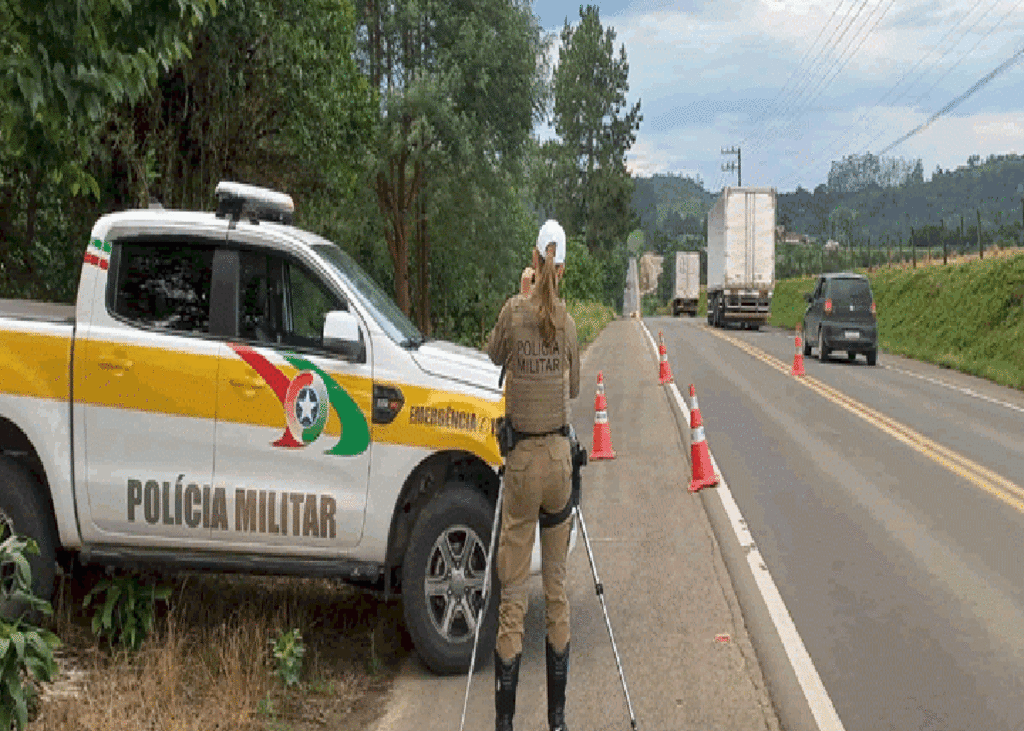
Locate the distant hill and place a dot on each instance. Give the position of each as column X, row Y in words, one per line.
column 672, row 208
column 671, row 203
column 933, row 208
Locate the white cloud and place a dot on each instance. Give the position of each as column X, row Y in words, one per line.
column 709, row 74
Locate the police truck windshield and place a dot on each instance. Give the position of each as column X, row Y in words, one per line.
column 392, row 320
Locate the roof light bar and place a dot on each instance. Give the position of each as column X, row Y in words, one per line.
column 262, row 204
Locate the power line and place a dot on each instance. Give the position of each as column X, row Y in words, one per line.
column 831, row 61
column 819, row 61
column 899, row 81
column 796, row 71
column 960, row 99
column 843, row 58
column 948, row 71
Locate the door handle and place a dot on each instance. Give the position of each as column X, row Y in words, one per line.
column 250, row 384
column 113, row 363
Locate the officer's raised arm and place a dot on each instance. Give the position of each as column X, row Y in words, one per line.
column 498, row 341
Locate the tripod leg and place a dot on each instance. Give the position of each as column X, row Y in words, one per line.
column 486, row 594
column 599, row 587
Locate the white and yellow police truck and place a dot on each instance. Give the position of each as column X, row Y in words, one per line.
column 233, row 394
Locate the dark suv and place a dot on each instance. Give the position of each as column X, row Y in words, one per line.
column 841, row 316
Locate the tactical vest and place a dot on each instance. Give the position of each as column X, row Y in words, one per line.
column 537, row 395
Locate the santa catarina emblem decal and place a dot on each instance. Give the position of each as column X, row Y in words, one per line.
column 306, row 400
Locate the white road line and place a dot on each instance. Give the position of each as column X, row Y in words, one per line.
column 818, row 700
column 967, row 391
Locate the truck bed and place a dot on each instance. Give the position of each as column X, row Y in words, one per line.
column 33, row 310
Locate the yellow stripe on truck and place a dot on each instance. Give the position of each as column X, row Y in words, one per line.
column 142, row 378
column 35, row 365
column 170, row 382
column 439, row 420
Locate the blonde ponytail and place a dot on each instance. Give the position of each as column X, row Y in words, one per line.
column 547, row 292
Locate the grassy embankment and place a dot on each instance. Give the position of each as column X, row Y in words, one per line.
column 591, row 318
column 968, row 316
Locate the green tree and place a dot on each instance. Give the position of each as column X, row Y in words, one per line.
column 271, row 96
column 591, row 188
column 459, row 90
column 64, row 65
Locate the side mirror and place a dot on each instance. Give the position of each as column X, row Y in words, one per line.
column 342, row 335
column 808, row 297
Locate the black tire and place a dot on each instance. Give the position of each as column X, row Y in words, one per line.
column 24, row 511
column 454, row 516
column 872, row 357
column 822, row 350
column 803, row 336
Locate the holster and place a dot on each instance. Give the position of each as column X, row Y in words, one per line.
column 578, row 454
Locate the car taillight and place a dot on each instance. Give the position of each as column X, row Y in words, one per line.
column 828, row 306
column 872, row 307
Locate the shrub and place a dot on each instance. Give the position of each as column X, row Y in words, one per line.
column 126, row 614
column 26, row 651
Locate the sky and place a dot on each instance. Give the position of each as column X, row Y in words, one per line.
column 796, row 84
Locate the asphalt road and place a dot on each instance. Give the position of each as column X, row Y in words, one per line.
column 887, row 503
column 688, row 660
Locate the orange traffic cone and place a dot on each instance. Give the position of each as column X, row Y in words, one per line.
column 703, row 474
column 798, row 359
column 694, row 409
column 664, row 372
column 602, row 432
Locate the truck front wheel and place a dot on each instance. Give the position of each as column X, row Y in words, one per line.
column 443, row 580
column 23, row 511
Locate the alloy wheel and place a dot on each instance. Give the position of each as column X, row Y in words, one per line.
column 454, row 582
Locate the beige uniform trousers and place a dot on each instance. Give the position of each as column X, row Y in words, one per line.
column 538, row 474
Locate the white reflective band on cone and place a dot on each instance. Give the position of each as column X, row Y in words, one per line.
column 601, row 417
column 698, row 435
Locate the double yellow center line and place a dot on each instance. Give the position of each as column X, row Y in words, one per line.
column 978, row 475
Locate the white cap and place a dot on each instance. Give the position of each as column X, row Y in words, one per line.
column 552, row 232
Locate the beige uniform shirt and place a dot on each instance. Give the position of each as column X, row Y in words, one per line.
column 541, row 377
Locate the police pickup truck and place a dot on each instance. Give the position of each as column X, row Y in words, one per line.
column 233, row 394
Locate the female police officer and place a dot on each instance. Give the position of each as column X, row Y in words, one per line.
column 536, row 338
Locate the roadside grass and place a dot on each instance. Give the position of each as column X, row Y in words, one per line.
column 968, row 317
column 208, row 664
column 788, row 304
column 591, row 318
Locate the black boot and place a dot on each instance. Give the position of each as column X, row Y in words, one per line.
column 506, row 675
column 558, row 676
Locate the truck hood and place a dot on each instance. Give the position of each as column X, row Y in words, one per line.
column 459, row 363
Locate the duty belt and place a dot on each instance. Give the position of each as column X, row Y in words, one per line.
column 562, row 431
column 508, row 437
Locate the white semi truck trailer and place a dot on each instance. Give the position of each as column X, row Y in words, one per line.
column 687, row 285
column 741, row 257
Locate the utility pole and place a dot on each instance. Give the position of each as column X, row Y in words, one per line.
column 737, row 165
column 1020, row 192
column 981, row 249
